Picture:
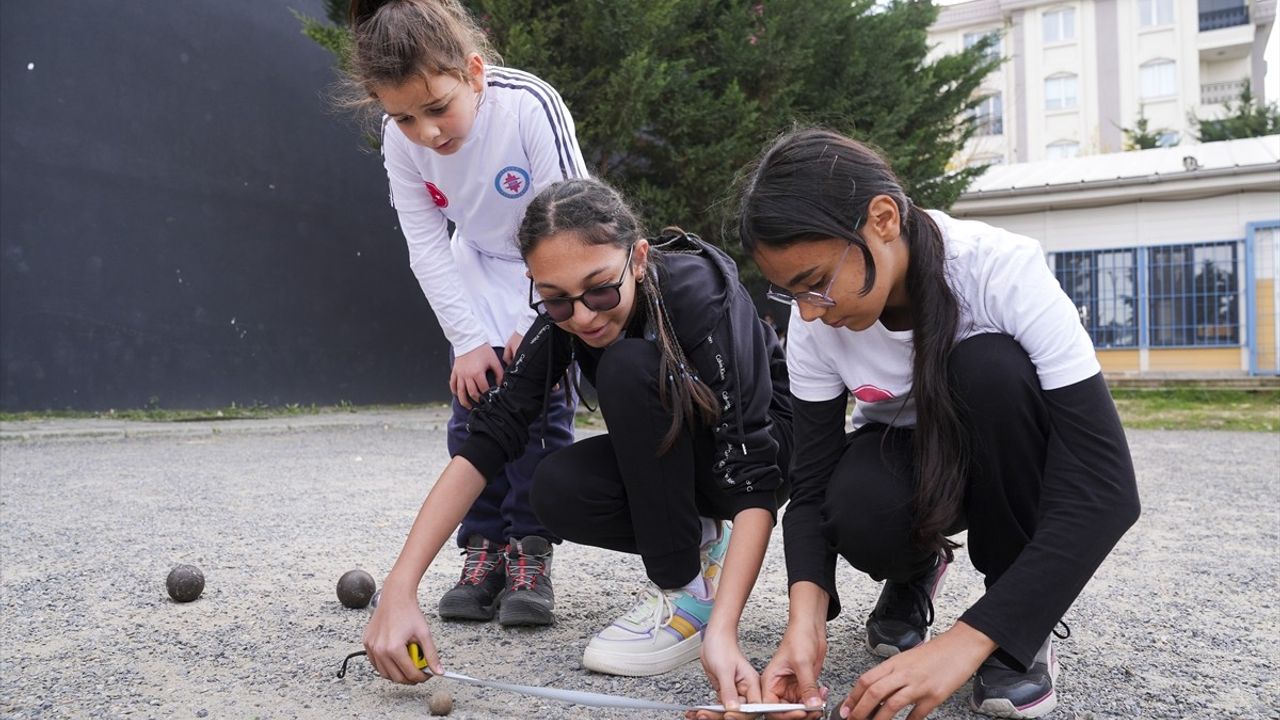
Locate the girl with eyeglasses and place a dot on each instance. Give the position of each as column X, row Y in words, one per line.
column 469, row 143
column 693, row 388
column 979, row 406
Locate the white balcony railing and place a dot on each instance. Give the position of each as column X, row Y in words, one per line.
column 1221, row 92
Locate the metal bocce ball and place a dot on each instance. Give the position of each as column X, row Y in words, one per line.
column 355, row 588
column 185, row 583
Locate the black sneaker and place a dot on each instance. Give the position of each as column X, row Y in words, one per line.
column 528, row 598
column 904, row 612
column 475, row 596
column 1001, row 691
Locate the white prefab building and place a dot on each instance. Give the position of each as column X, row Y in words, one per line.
column 1169, row 254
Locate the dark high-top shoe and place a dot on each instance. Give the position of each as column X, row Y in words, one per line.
column 528, row 598
column 475, row 596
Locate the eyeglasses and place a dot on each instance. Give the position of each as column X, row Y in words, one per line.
column 817, row 299
column 599, row 299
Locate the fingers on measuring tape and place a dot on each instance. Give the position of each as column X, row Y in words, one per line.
column 425, row 657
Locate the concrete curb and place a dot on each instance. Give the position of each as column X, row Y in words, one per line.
column 87, row 428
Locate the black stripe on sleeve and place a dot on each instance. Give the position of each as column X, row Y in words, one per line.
column 566, row 143
column 557, row 104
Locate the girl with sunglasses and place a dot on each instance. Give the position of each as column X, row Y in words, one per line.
column 693, row 388
column 469, row 143
column 979, row 405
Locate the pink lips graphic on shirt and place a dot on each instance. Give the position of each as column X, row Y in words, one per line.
column 437, row 196
column 871, row 394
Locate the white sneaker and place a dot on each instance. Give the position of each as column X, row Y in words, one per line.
column 662, row 632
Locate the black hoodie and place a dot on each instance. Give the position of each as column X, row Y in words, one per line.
column 731, row 349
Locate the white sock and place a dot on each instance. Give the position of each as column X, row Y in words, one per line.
column 698, row 587
column 710, row 531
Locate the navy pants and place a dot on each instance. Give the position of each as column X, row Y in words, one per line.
column 503, row 511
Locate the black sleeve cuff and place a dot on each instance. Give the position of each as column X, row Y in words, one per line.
column 484, row 453
column 756, row 499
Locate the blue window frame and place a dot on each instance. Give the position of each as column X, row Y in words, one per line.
column 1103, row 285
column 1194, row 294
column 1163, row 296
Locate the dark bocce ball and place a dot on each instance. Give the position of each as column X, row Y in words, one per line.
column 355, row 587
column 185, row 583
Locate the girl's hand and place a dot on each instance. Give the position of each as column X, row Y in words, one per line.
column 922, row 677
column 730, row 673
column 792, row 675
column 396, row 622
column 513, row 344
column 467, row 380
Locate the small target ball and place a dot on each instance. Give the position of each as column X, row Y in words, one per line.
column 441, row 703
column 185, row 583
column 355, row 588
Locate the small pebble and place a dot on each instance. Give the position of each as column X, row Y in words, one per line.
column 441, row 703
column 185, row 583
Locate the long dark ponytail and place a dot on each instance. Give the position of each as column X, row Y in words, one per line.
column 813, row 184
column 596, row 213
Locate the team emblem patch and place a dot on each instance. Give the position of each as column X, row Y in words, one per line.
column 871, row 394
column 512, row 182
column 440, row 198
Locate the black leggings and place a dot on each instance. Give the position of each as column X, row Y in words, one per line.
column 1006, row 416
column 616, row 492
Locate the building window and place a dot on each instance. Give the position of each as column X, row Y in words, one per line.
column 1159, row 78
column 1155, row 12
column 993, row 51
column 1062, row 150
column 1194, row 294
column 988, row 116
column 1103, row 285
column 1060, row 92
column 1059, row 25
column 1168, row 138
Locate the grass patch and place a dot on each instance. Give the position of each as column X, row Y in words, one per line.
column 1199, row 409
column 1156, row 409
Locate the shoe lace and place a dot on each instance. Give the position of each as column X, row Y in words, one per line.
column 654, row 609
column 918, row 603
column 477, row 563
column 524, row 574
column 1066, row 630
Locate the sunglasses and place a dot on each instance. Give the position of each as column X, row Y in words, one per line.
column 598, row 299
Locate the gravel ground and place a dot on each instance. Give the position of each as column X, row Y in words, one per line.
column 1182, row 620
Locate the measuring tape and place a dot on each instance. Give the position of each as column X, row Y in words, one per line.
column 589, row 699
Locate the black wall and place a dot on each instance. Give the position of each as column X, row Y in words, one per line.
column 184, row 222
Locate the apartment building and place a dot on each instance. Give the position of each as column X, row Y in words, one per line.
column 1077, row 72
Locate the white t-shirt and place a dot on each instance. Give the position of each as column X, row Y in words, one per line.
column 522, row 140
column 1003, row 285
